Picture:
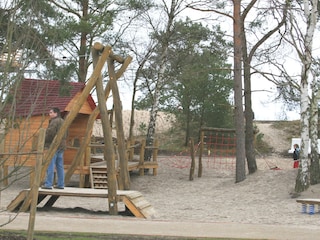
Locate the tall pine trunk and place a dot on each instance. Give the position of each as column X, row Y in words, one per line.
column 239, row 117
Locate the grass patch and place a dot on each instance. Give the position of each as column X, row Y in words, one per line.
column 21, row 235
column 291, row 128
column 262, row 146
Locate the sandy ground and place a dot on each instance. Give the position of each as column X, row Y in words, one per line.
column 263, row 198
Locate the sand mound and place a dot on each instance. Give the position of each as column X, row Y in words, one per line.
column 141, row 119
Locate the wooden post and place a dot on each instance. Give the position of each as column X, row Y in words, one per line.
column 155, row 156
column 36, row 183
column 193, row 163
column 81, row 175
column 128, row 149
column 123, row 160
column 87, row 157
column 200, row 154
column 141, row 159
column 132, row 148
column 2, row 180
column 91, row 121
column 4, row 169
column 108, row 149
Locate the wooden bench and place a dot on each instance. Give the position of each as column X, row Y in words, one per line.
column 308, row 205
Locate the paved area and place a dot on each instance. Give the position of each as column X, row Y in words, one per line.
column 121, row 225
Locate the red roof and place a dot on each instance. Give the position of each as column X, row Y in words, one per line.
column 36, row 97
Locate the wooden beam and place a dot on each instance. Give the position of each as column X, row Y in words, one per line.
column 109, row 155
column 36, row 183
column 91, row 121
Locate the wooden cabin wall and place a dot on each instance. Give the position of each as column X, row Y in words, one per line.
column 85, row 108
column 19, row 140
column 76, row 133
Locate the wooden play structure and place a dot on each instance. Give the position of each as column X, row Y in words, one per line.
column 98, row 167
column 133, row 200
column 25, row 147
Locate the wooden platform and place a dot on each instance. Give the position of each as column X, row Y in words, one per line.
column 132, row 165
column 133, row 200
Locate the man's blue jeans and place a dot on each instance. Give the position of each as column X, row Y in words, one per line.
column 56, row 162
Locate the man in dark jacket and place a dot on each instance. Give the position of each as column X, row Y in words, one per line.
column 55, row 124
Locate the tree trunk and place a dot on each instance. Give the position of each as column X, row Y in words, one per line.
column 302, row 180
column 310, row 15
column 314, row 165
column 83, row 44
column 141, row 65
column 151, row 131
column 155, row 106
column 239, row 118
column 249, row 116
column 247, row 58
column 187, row 126
column 171, row 12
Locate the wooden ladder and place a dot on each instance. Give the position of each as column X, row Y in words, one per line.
column 98, row 177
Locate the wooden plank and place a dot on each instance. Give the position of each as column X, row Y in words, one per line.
column 133, row 200
column 148, row 212
column 78, row 192
column 39, row 146
column 41, row 198
column 17, row 202
column 133, row 166
column 138, row 205
column 309, row 201
column 141, row 203
column 136, row 212
column 134, row 194
column 75, row 192
column 51, row 201
column 149, row 165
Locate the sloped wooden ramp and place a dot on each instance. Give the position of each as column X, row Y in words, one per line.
column 134, row 200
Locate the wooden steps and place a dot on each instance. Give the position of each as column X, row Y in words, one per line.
column 138, row 205
column 134, row 200
column 98, row 177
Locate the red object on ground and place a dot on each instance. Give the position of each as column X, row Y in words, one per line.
column 296, row 164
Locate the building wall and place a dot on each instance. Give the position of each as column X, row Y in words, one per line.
column 19, row 139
